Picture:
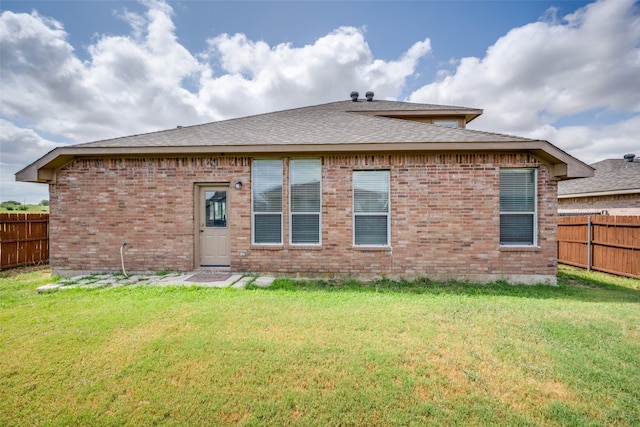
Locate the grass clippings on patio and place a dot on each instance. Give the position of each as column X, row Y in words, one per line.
column 322, row 353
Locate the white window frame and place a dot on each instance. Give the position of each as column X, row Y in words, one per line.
column 534, row 213
column 387, row 214
column 292, row 213
column 254, row 213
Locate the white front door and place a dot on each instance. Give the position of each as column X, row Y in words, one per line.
column 214, row 227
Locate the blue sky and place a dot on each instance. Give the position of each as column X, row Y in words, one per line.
column 457, row 28
column 77, row 71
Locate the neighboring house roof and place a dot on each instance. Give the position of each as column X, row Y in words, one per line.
column 343, row 126
column 612, row 176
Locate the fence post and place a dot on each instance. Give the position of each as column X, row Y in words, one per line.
column 589, row 243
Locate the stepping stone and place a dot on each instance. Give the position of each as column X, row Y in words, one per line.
column 171, row 279
column 219, row 281
column 242, row 283
column 263, row 281
column 94, row 285
column 51, row 287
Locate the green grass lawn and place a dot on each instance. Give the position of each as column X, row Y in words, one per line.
column 25, row 209
column 322, row 353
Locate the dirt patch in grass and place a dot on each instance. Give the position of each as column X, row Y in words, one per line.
column 16, row 271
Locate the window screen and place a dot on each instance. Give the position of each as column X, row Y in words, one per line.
column 266, row 187
column 305, row 176
column 371, row 208
column 518, row 215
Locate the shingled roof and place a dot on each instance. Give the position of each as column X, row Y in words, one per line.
column 339, row 123
column 612, row 176
column 337, row 127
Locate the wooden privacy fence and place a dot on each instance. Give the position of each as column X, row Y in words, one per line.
column 604, row 243
column 24, row 239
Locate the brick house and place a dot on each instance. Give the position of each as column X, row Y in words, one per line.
column 614, row 189
column 352, row 188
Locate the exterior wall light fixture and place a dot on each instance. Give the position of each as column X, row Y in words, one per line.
column 238, row 185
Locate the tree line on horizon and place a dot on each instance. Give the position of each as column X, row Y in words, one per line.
column 12, row 205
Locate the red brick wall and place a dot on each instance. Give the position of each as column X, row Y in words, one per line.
column 616, row 204
column 444, row 217
column 96, row 205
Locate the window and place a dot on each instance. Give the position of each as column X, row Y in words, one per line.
column 371, row 208
column 216, row 208
column 266, row 184
column 304, row 181
column 518, row 216
column 446, row 123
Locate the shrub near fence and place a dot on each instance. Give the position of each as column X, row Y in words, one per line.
column 604, row 243
column 24, row 239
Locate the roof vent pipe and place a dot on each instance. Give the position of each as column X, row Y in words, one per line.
column 369, row 96
column 354, row 96
column 629, row 157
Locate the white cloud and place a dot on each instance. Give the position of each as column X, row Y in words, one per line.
column 542, row 72
column 146, row 80
column 595, row 143
column 19, row 148
column 529, row 81
column 256, row 77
